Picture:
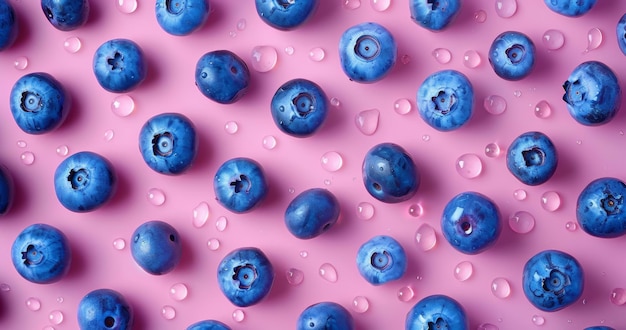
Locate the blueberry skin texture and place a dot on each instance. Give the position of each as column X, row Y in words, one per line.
column 66, row 15
column 601, row 209
column 240, row 184
column 119, row 65
column 592, row 93
column 620, row 31
column 599, row 328
column 437, row 312
column 512, row 55
column 84, row 181
column 367, row 52
column 104, row 309
column 434, row 15
column 156, row 247
column 168, row 143
column 245, row 276
column 552, row 280
column 222, row 76
column 208, row 325
column 39, row 103
column 7, row 190
column 286, row 15
column 325, row 316
column 381, row 260
column 532, row 158
column 312, row 213
column 181, row 17
column 445, row 100
column 571, row 8
column 41, row 254
column 389, row 173
column 8, row 25
column 471, row 222
column 299, row 107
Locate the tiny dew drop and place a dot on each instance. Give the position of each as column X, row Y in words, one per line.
column 56, row 317
column 425, row 137
column 442, row 55
column 618, row 296
column 501, row 288
column 463, row 271
column 289, row 50
column 263, row 58
column 221, row 223
column 119, row 244
column 201, row 214
column 317, row 54
column 156, row 196
column 231, row 127
column 304, row 254
column 62, row 150
column 269, row 142
column 241, row 24
column 126, row 6
column 416, row 210
column 351, row 4
column 21, row 144
column 179, row 291
column 72, row 44
column 365, row 211
column 238, row 315
column 492, row 150
column 4, row 287
column 469, row 166
column 328, row 272
column 360, row 304
column 33, row 304
column 506, row 8
column 380, row 5
column 538, row 320
column 520, row 194
column 550, row 201
column 294, row 276
column 471, row 59
column 426, row 237
column 367, row 121
column 21, row 63
column 405, row 294
column 543, row 109
column 331, row 161
column 405, row 59
column 27, row 157
column 402, row 106
column 168, row 312
column 108, row 135
column 553, row 39
column 571, row 226
column 487, row 326
column 335, row 102
column 48, row 327
column 480, row 16
column 495, row 104
column 123, row 105
column 213, row 244
column 522, row 222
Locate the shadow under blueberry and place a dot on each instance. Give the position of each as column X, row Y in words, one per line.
column 74, row 113
column 187, row 257
column 23, row 28
column 203, row 155
column 123, row 191
column 78, row 264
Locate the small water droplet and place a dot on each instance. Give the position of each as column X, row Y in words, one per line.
column 519, row 194
column 241, row 24
column 416, row 210
column 402, row 106
column 487, row 326
column 495, row 104
column 4, row 287
column 27, row 157
column 126, row 6
column 517, row 93
column 48, row 327
column 123, row 105
column 367, row 121
column 331, row 161
column 232, row 34
column 62, row 150
column 60, row 300
column 471, row 59
column 294, row 276
column 442, row 55
column 469, row 166
column 571, row 226
column 500, row 287
column 108, row 135
column 317, row 54
column 522, row 222
column 20, row 63
column 553, row 39
column 426, row 237
column 351, row 4
column 538, row 320
column 231, row 127
column 304, row 254
column 335, row 102
column 360, row 304
column 579, row 142
column 419, row 278
column 221, row 223
column 492, row 150
column 618, row 296
column 584, row 301
column 119, row 244
column 289, row 50
column 21, row 144
column 463, row 270
column 33, row 304
column 72, row 44
column 291, row 190
column 179, row 291
column 543, row 110
column 269, row 142
column 480, row 16
column 156, row 196
column 405, row 293
column 328, row 272
column 594, row 39
column 201, row 214
column 380, row 5
column 238, row 315
column 168, row 312
column 621, row 132
column 213, row 244
column 506, row 8
column 405, row 59
column 550, row 201
column 365, row 211
column 425, row 137
column 264, row 58
column 327, row 182
column 56, row 317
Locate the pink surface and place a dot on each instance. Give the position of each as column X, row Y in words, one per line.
column 294, row 165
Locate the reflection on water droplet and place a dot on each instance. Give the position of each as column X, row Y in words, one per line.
column 550, row 201
column 123, row 105
column 119, row 244
column 463, row 271
column 618, row 296
column 238, row 315
column 425, row 137
column 231, row 127
column 426, row 237
column 269, row 142
column 360, row 304
column 168, row 312
column 405, row 59
column 21, row 63
column 56, row 317
column 27, row 157
column 519, row 194
column 328, row 272
column 156, row 196
column 579, row 142
column 108, row 135
column 506, row 8
column 365, row 211
column 62, row 150
column 126, row 6
column 241, row 24
column 571, row 226
column 317, row 54
column 553, row 39
column 538, row 320
column 492, row 150
column 60, row 300
column 179, row 291
column 327, row 182
column 291, row 190
column 405, row 293
column 487, row 326
column 263, row 58
column 594, row 39
column 335, row 102
column 471, row 59
column 500, row 287
column 442, row 55
column 380, row 5
column 289, row 50
column 304, row 254
column 33, row 304
column 331, row 161
column 522, row 222
column 494, row 104
column 480, row 16
column 351, row 4
column 517, row 93
column 213, row 244
column 543, row 109
column 367, row 121
column 21, row 144
column 402, row 106
column 221, row 223
column 201, row 214
column 469, row 166
column 72, row 44
column 416, row 210
column 294, row 276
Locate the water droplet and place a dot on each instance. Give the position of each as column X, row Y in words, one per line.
column 402, row 106
column 538, row 320
column 335, row 102
column 367, row 121
column 269, row 142
column 179, row 291
column 471, row 59
column 522, row 222
column 241, row 24
column 360, row 304
column 553, row 39
column 621, row 132
column 506, row 8
column 238, row 315
column 294, row 276
column 405, row 293
column 425, row 137
column 618, row 296
column 232, row 34
column 463, row 270
column 500, row 287
column 317, row 54
column 213, row 244
column 469, row 166
column 579, row 142
column 416, row 210
column 62, row 150
column 33, row 304
column 221, row 223
column 594, row 39
column 487, row 326
column 4, row 287
column 495, row 104
column 20, row 63
column 492, row 150
column 380, row 5
column 56, row 317
column 201, row 214
column 168, row 312
column 119, row 244
column 21, row 144
column 48, row 327
column 365, row 211
column 60, row 300
column 27, row 157
column 584, row 301
column 304, row 254
column 571, row 226
column 108, row 135
column 480, row 16
column 442, row 55
column 351, row 4
column 543, row 110
column 327, row 182
column 127, row 6
column 519, row 194
column 426, row 237
column 156, row 196
column 331, row 161
column 550, row 201
column 264, row 58
column 517, row 93
column 291, row 190
column 289, row 50
column 72, row 44
column 231, row 127
column 405, row 59
column 123, row 105
column 328, row 272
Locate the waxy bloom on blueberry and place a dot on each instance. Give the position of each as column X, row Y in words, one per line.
column 389, row 173
column 286, row 14
column 325, row 316
column 446, row 100
column 222, row 76
column 381, row 259
column 181, row 17
column 208, row 325
column 601, row 208
column 8, row 25
column 245, row 276
column 512, row 55
column 437, row 312
column 367, row 52
column 66, row 15
column 240, row 184
column 312, row 213
column 532, row 158
column 104, row 309
column 571, row 8
column 156, row 247
column 119, row 65
column 434, row 15
column 299, row 107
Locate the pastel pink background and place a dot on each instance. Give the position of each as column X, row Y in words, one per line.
column 586, row 153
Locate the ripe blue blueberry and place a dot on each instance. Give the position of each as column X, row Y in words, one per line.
column 168, row 143
column 389, row 173
column 552, row 280
column 104, row 309
column 39, row 103
column 7, row 190
column 245, row 276
column 571, row 8
column 532, row 158
column 41, row 254
column 437, row 312
column 620, row 30
column 84, row 181
column 156, row 247
column 599, row 327
column 381, row 259
column 325, row 316
column 592, row 93
column 119, row 65
column 512, row 55
column 445, row 100
column 434, row 15
column 66, row 15
column 367, row 52
column 208, row 325
column 8, row 25
column 299, row 107
column 471, row 222
column 181, row 17
column 240, row 184
column 601, row 209
column 312, row 213
column 222, row 76
column 286, row 14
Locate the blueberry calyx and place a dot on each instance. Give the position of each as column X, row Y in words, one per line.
column 516, row 53
column 163, row 144
column 434, row 4
column 109, row 322
column 466, row 226
column 174, row 6
column 79, row 178
column 305, row 104
column 245, row 275
column 286, row 3
column 367, row 47
column 31, row 102
column 439, row 324
column 444, row 102
column 556, row 283
column 32, row 256
column 533, row 156
column 381, row 260
column 242, row 184
column 116, row 62
column 574, row 92
column 612, row 204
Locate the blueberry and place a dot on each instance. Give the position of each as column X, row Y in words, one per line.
column 325, row 316
column 445, row 100
column 208, row 325
column 7, row 190
column 571, row 8
column 168, row 143
column 389, row 173
column 8, row 25
column 66, row 15
column 222, row 76
column 299, row 107
column 552, row 280
column 286, row 14
column 620, row 30
column 381, row 259
column 119, row 65
column 39, row 103
column 84, row 181
column 512, row 55
column 41, row 254
column 471, row 222
column 156, row 247
column 599, row 327
column 240, row 184
column 532, row 158
column 181, row 17
column 436, row 312
column 601, row 209
column 312, row 213
column 104, row 309
column 434, row 15
column 245, row 276
column 592, row 93
column 367, row 52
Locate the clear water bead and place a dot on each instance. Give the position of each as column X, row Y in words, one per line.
column 20, row 63
column 33, row 304
column 156, row 196
column 360, row 304
column 520, row 194
column 62, row 150
column 126, row 6
column 594, row 39
column 469, row 166
column 538, row 320
column 517, row 93
column 543, row 109
column 405, row 293
column 108, row 135
column 241, row 24
column 335, row 102
column 571, row 226
column 506, row 8
column 213, row 244
column 405, row 59
column 304, row 254
column 367, row 121
column 380, row 5
column 618, row 296
column 200, row 214
column 416, row 210
column 553, row 39
column 463, row 271
column 48, row 327
column 425, row 137
column 56, row 317
column 351, row 4
column 426, row 237
column 289, row 50
column 487, row 326
column 402, row 106
column 550, row 201
column 263, row 58
column 328, row 272
column 27, row 157
column 294, row 276
column 168, row 312
column 500, row 287
column 269, row 142
column 123, row 105
column 522, row 222
column 238, row 315
column 365, row 211
column 492, row 150
column 471, row 59
column 4, row 287
column 317, row 54
column 231, row 127
column 21, row 144
column 331, row 161
column 480, row 16
column 221, row 223
column 442, row 55
column 494, row 104
column 179, row 291
column 119, row 244
column 72, row 44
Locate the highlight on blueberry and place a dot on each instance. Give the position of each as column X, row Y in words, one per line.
column 437, row 312
column 119, row 65
column 181, row 17
column 532, row 158
column 312, row 213
column 103, row 309
column 7, row 190
column 368, row 52
column 601, row 209
column 286, row 14
column 570, row 8
column 245, row 276
column 156, row 247
column 240, row 184
column 381, row 260
column 299, row 107
column 512, row 55
column 389, row 173
column 208, row 325
column 434, row 15
column 445, row 100
column 222, row 76
column 325, row 315
column 66, row 15
column 8, row 25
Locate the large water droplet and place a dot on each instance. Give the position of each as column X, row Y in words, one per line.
column 351, row 4
column 238, row 315
column 33, row 304
column 553, row 39
column 594, row 39
column 365, row 211
column 538, row 320
column 492, row 150
column 480, row 16
column 317, row 54
column 201, row 214
column 56, row 317
column 360, row 304
column 550, row 201
column 487, row 326
column 27, row 157
column 416, row 210
column 442, row 55
column 221, row 223
column 241, row 24
column 618, row 296
column 62, row 150
column 156, row 196
column 380, row 5
column 522, row 222
column 543, row 109
column 328, row 272
column 126, row 6
column 168, row 312
column 471, row 59
column 263, row 58
column 519, row 194
column 72, row 44
column 469, row 166
column 495, row 104
column 294, row 276
column 500, row 287
column 402, row 106
column 213, row 244
column 20, row 63
column 426, row 237
column 119, row 244
column 179, row 291
column 367, row 121
column 331, row 161
column 506, row 8
column 231, row 127
column 108, row 135
column 463, row 270
column 123, row 105
column 269, row 142
column 405, row 293
column 571, row 226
